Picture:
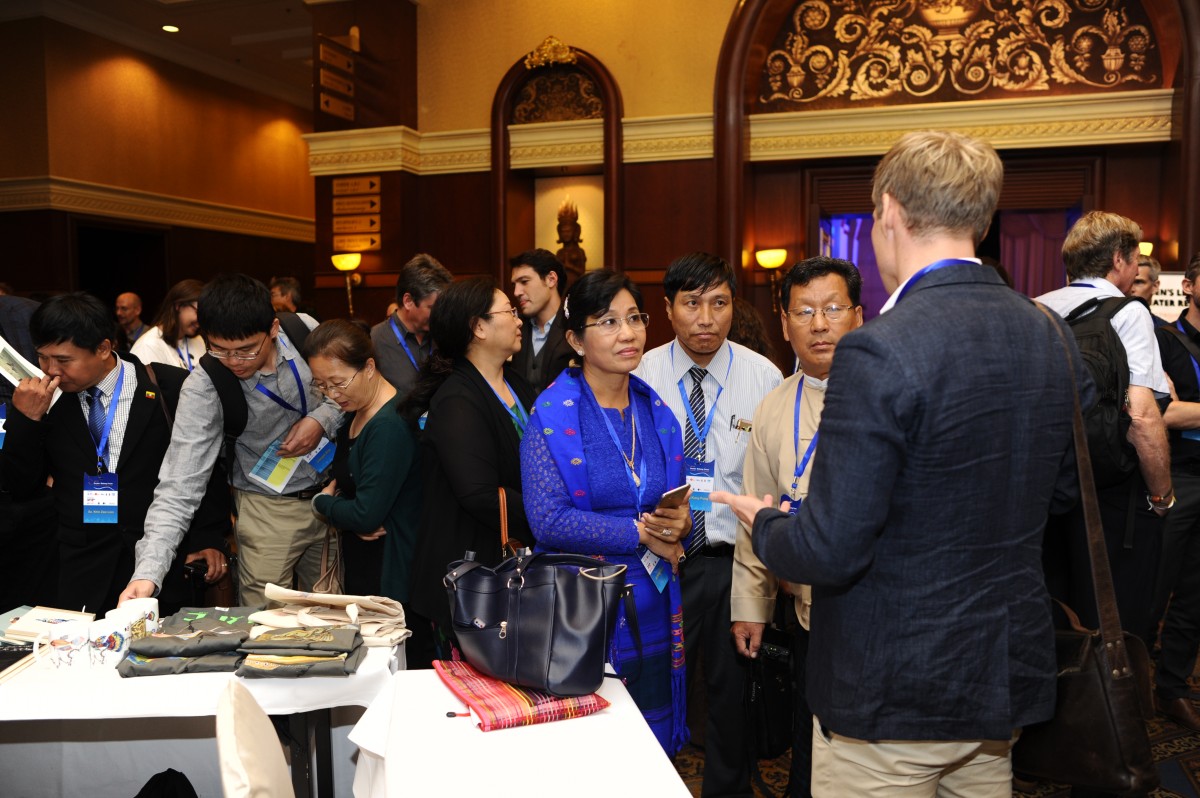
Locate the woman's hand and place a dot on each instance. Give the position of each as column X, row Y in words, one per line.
column 670, row 524
column 376, row 535
column 671, row 552
column 331, row 488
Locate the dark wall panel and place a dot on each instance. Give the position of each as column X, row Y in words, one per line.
column 668, row 211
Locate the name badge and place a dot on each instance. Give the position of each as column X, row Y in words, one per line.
column 702, row 477
column 321, row 457
column 794, row 504
column 100, row 498
column 656, row 567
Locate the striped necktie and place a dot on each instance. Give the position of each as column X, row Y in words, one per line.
column 693, row 448
column 95, row 414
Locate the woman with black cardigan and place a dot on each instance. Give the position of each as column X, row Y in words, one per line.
column 473, row 409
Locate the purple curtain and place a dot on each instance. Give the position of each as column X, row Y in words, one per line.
column 1031, row 250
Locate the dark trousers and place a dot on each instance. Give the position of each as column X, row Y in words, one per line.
column 1133, row 539
column 800, row 777
column 1179, row 580
column 28, row 537
column 706, row 583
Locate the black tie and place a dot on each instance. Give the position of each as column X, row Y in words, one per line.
column 693, row 448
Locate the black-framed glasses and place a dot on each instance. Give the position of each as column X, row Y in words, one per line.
column 221, row 354
column 804, row 316
column 334, row 386
column 611, row 324
column 513, row 311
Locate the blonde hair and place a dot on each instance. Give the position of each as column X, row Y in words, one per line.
column 1093, row 240
column 944, row 182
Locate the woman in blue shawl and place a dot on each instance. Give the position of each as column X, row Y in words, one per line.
column 602, row 449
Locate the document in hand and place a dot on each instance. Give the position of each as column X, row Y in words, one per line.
column 14, row 367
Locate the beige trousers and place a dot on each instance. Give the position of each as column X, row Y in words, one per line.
column 843, row 766
column 276, row 537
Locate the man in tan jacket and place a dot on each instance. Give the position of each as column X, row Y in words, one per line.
column 820, row 303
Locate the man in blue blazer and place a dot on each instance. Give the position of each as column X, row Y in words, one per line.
column 946, row 438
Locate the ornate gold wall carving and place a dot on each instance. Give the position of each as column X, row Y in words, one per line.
column 557, row 94
column 838, row 53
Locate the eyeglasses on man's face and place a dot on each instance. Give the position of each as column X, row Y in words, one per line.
column 239, row 354
column 611, row 324
column 513, row 311
column 334, row 387
column 804, row 316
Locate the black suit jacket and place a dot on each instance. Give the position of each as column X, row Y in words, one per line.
column 555, row 356
column 96, row 560
column 468, row 450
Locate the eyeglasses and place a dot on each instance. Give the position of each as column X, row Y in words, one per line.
column 612, row 324
column 513, row 311
column 334, row 386
column 804, row 316
column 221, row 354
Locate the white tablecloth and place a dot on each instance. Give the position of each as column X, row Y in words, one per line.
column 90, row 732
column 408, row 747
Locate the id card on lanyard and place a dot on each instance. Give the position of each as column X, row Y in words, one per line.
column 100, row 494
column 279, row 400
column 403, row 344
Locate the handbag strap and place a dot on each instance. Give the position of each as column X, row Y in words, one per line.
column 503, row 520
column 1106, row 599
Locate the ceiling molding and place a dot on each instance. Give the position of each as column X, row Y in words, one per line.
column 76, row 196
column 1066, row 121
column 1129, row 117
column 90, row 21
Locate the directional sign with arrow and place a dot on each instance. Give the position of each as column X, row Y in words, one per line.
column 355, row 243
column 367, row 184
column 356, row 224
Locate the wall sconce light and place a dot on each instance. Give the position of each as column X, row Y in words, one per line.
column 347, row 262
column 1146, row 248
column 771, row 260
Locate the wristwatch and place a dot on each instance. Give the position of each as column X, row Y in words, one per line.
column 1161, row 502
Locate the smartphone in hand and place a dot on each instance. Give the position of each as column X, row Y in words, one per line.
column 676, row 497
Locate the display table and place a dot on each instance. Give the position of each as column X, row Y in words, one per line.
column 90, row 732
column 409, row 747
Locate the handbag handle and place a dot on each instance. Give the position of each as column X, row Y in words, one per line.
column 1106, row 599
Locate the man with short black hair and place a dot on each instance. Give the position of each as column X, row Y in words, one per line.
column 402, row 343
column 713, row 386
column 278, row 535
column 539, row 284
column 819, row 301
column 285, row 294
column 102, row 441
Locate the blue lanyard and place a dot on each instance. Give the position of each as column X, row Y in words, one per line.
column 1195, row 366
column 102, row 446
column 519, row 416
column 279, row 400
column 185, row 354
column 801, row 464
column 403, row 344
column 933, row 267
column 702, row 434
column 638, row 486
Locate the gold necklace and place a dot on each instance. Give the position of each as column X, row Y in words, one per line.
column 637, row 481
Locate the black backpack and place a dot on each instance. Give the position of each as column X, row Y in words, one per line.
column 229, row 390
column 1107, row 422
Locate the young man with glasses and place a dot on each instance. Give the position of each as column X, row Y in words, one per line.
column 713, row 386
column 287, row 418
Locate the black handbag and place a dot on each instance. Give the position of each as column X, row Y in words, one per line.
column 542, row 621
column 1097, row 737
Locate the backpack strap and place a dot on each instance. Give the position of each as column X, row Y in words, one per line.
column 162, row 402
column 295, row 329
column 1187, row 342
column 1105, row 306
column 233, row 406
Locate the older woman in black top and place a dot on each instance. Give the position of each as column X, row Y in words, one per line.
column 477, row 412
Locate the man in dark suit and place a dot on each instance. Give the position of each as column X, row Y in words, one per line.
column 945, row 439
column 539, row 285
column 102, row 441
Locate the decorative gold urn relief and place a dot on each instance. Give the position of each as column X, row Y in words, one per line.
column 839, row 53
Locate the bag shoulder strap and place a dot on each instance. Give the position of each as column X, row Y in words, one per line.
column 1106, row 600
column 1186, row 340
column 162, row 402
column 1105, row 307
column 297, row 331
column 234, row 410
